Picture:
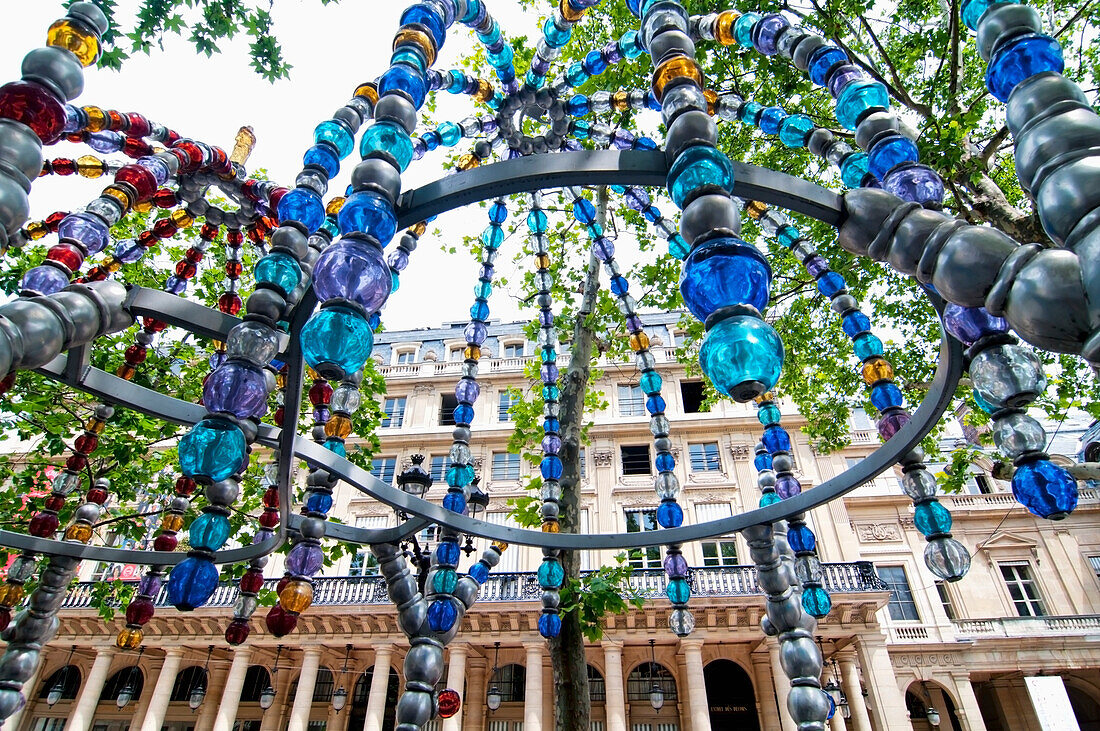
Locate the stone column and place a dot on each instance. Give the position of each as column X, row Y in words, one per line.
column 782, row 686
column 837, row 722
column 765, row 691
column 303, row 699
column 456, row 679
column 615, row 706
column 162, row 691
column 698, row 703
column 84, row 710
column 967, row 710
column 216, row 678
column 849, row 679
column 230, row 698
column 935, row 695
column 379, row 683
column 532, row 691
column 473, row 704
column 887, row 700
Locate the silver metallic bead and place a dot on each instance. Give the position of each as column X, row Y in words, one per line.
column 808, row 706
column 782, row 463
column 1047, row 304
column 291, row 240
column 1003, row 22
column 55, row 68
column 397, row 109
column 424, row 662
column 90, row 14
column 688, row 129
column 20, row 148
column 312, row 528
column 466, row 591
column 967, row 264
column 14, row 206
column 223, row 492
column 415, row 708
column 706, row 213
column 375, row 171
column 786, row 612
column 800, row 657
column 670, row 43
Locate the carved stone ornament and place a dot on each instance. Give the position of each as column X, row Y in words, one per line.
column 602, row 458
column 422, row 388
column 740, row 451
column 869, row 532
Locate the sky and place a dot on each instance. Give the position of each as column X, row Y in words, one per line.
column 333, row 48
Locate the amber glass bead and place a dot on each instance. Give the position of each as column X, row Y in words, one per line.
column 551, row 526
column 313, row 376
column 90, row 166
column 171, row 522
column 568, row 12
column 418, row 229
column 280, row 380
column 112, row 265
column 500, row 546
column 484, row 91
column 472, row 352
column 639, row 341
column 542, row 261
column 79, row 532
column 755, row 209
column 368, row 91
column 129, row 638
column 876, row 370
column 338, row 426
column 723, row 28
column 334, row 205
column 116, row 121
column 144, row 206
column 11, row 594
column 418, row 39
column 620, row 101
column 126, row 372
column 764, row 397
column 182, row 218
column 95, row 426
column 676, row 67
column 296, row 596
column 36, row 230
column 468, row 162
column 73, row 36
column 712, row 101
column 97, row 119
column 120, row 195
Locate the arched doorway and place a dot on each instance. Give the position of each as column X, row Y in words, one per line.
column 731, row 697
column 923, row 698
column 1085, row 708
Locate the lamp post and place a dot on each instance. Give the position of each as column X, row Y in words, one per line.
column 267, row 695
column 127, row 693
column 340, row 695
column 198, row 692
column 931, row 713
column 656, row 695
column 477, row 502
column 415, row 481
column 58, row 689
column 493, row 698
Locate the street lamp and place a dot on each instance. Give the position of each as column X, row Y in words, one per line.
column 477, row 502
column 656, row 695
column 127, row 693
column 340, row 695
column 414, row 480
column 931, row 713
column 198, row 692
column 493, row 699
column 58, row 690
column 267, row 695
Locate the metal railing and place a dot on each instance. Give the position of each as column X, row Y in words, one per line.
column 706, row 581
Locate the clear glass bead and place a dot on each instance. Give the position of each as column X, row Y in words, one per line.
column 947, row 558
column 346, row 398
column 252, row 341
column 1007, row 375
column 1017, row 433
column 808, row 569
column 105, row 208
column 837, row 152
column 461, row 454
column 666, row 485
column 919, row 484
column 471, row 126
column 681, row 622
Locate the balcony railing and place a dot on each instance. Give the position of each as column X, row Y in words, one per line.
column 1088, row 624
column 717, row 581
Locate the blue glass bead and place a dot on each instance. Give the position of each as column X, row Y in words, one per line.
column 853, row 169
column 866, row 345
column 455, row 502
column 652, row 214
column 664, row 462
column 650, row 383
column 762, row 461
column 1045, row 489
column 405, row 79
column 352, row 269
column 279, row 269
column 628, row 43
column 584, row 211
column 464, row 414
column 337, row 134
column 594, row 63
column 886, row 395
column 801, row 539
column 236, row 388
column 479, row 572
column 1020, row 59
column 549, row 625
column 556, row 37
column 740, row 354
column 770, row 120
column 337, row 335
column 968, row 324
column 446, row 553
column 191, row 583
column 750, row 112
column 890, row 151
column 795, row 130
column 855, row 323
column 816, row 602
column 769, row 498
column 973, row 10
column 931, row 518
column 324, row 157
column 319, row 502
column 655, row 405
column 551, row 426
column 425, row 15
column 498, row 212
column 619, row 285
column 459, row 475
column 45, row 279
column 634, row 6
column 479, row 310
column 209, row 531
column 678, row 591
column 577, row 106
column 550, row 574
column 214, row 449
column 766, row 32
column 670, row 515
column 776, row 439
column 830, row 284
column 721, row 272
column 389, row 138
column 87, row 228
column 575, row 75
column 915, row 183
column 742, row 29
column 695, row 167
column 370, row 213
column 442, row 615
column 551, row 468
column 644, row 143
column 769, row 414
column 824, row 59
column 677, row 247
column 857, row 98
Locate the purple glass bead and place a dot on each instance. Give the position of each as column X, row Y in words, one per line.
column 511, row 86
column 540, row 65
column 485, row 274
column 305, row 559
column 419, row 148
column 546, row 318
column 571, row 145
column 788, row 486
column 622, row 139
column 236, row 388
column 129, row 251
column 105, row 141
column 634, row 324
column 475, row 333
column 549, row 373
column 262, row 536
column 321, row 414
column 44, row 279
column 467, row 390
column 551, row 444
column 489, row 126
column 676, row 566
column 353, row 269
column 604, row 248
column 73, row 120
column 637, row 198
column 914, row 182
column 968, row 324
column 150, row 585
column 86, row 228
column 175, row 285
column 216, row 359
column 816, row 266
column 891, row 422
column 157, row 167
column 841, row 76
column 766, row 32
column 398, row 259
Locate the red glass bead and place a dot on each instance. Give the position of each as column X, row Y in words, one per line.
column 44, row 525
column 136, row 354
column 449, row 702
column 250, row 189
column 98, row 274
column 269, row 518
column 234, row 237
column 233, row 268
column 66, row 254
column 276, row 196
column 97, row 495
column 165, row 198
column 139, row 125
column 54, row 220
column 271, row 497
column 185, row 486
column 185, row 269
column 252, row 581
column 237, row 632
column 194, row 153
column 209, row 231
column 54, row 503
column 140, row 611
column 153, row 325
column 320, row 393
column 135, row 148
column 165, row 542
column 7, row 383
column 76, row 463
column 63, row 166
column 229, row 303
column 35, row 107
column 147, row 239
column 193, row 255
column 142, row 179
column 256, row 236
column 172, row 137
column 280, row 623
column 278, row 417
column 165, row 228
column 220, row 164
column 86, row 443
column 5, row 618
column 115, row 120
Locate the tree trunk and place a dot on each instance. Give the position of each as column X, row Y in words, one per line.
column 572, row 710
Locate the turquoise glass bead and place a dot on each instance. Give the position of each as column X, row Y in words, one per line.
column 769, row 414
column 459, row 475
column 338, row 336
column 209, row 531
column 742, row 355
column 575, row 75
column 449, row 133
column 650, row 383
column 536, row 221
column 493, row 237
column 787, row 235
column 389, row 138
column 695, row 167
column 336, row 446
column 677, row 247
column 556, row 37
column 816, row 602
column 866, row 345
column 191, row 583
column 550, row 574
column 214, row 449
column 444, row 581
column 407, row 55
column 304, row 206
column 795, row 130
column 628, row 44
column 854, row 168
column 501, row 58
column 1020, row 59
column 337, row 134
column 742, row 29
column 678, row 591
column 857, row 98
column 931, row 518
column 769, row 498
column 482, row 290
column 973, row 10
column 279, row 269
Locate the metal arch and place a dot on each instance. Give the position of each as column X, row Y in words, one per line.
column 605, row 167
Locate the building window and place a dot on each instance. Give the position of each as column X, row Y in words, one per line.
column 642, row 679
column 363, row 562
column 405, row 357
column 512, row 350
column 440, row 464
column 720, row 552
column 704, row 457
column 394, row 412
column 1094, row 562
column 505, row 467
column 456, row 353
column 641, row 521
column 511, row 681
column 447, row 408
column 582, row 457
column 692, row 393
column 507, row 398
column 383, row 468
column 946, row 600
column 597, row 689
column 979, row 484
column 901, row 606
column 635, row 459
column 631, row 400
column 1023, row 589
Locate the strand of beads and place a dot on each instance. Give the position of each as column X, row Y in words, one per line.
column 252, row 581
column 498, row 52
column 638, row 199
column 457, row 81
column 627, row 47
column 556, row 32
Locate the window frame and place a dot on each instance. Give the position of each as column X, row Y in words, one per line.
column 501, row 470
column 702, row 395
column 448, row 402
column 505, row 346
column 392, row 416
column 631, row 400
column 1025, row 578
column 380, row 463
column 505, row 401
column 404, row 356
column 897, row 601
column 635, row 469
column 645, row 521
column 705, row 461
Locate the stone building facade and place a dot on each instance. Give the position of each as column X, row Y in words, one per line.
column 897, row 642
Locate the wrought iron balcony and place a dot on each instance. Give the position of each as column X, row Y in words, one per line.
column 708, row 581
